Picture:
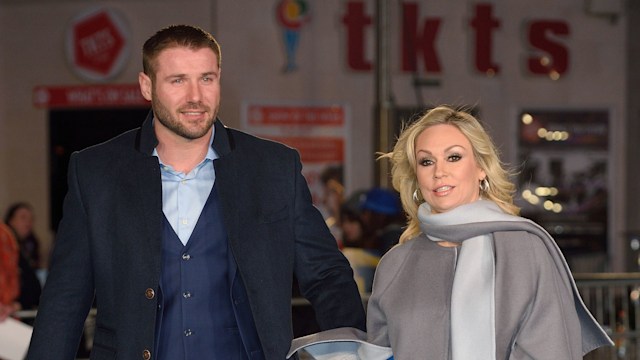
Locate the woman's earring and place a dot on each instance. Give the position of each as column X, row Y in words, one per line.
column 484, row 185
column 415, row 196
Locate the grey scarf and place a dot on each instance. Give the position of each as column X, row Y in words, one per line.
column 472, row 225
column 472, row 322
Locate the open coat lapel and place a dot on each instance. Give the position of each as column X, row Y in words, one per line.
column 226, row 177
column 147, row 193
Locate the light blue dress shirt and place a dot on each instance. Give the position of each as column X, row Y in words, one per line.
column 184, row 195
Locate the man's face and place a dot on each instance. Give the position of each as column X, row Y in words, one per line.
column 185, row 94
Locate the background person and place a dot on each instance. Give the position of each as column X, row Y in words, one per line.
column 20, row 219
column 9, row 277
column 471, row 279
column 189, row 233
column 351, row 226
column 370, row 226
column 331, row 199
column 382, row 217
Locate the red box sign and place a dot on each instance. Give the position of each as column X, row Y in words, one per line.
column 97, row 43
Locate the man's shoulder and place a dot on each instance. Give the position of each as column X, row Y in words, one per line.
column 103, row 158
column 123, row 142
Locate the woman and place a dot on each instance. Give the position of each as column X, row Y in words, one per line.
column 470, row 279
column 19, row 218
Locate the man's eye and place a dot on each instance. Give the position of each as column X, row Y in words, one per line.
column 210, row 78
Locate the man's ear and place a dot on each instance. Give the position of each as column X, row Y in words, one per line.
column 145, row 85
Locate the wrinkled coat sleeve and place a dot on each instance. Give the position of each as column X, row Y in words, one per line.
column 68, row 292
column 324, row 274
column 535, row 308
column 377, row 325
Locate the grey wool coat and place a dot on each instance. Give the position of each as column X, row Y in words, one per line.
column 536, row 313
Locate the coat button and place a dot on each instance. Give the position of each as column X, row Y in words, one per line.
column 149, row 293
column 146, row 354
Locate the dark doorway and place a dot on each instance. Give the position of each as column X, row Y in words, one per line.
column 75, row 129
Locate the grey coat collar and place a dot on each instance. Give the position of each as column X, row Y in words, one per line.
column 482, row 217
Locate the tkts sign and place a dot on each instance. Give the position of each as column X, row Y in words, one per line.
column 549, row 55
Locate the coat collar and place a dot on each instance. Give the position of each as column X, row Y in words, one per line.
column 147, row 140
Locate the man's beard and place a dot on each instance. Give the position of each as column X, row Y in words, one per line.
column 170, row 122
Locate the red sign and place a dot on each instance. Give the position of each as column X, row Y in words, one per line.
column 546, row 40
column 316, row 149
column 81, row 96
column 97, row 44
column 296, row 115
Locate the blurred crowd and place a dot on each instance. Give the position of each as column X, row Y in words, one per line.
column 366, row 224
column 371, row 223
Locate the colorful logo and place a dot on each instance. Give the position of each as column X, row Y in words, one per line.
column 292, row 15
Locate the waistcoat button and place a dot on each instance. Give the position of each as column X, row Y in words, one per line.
column 149, row 293
column 146, row 354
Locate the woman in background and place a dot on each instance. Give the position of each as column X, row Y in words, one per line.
column 20, row 219
column 471, row 279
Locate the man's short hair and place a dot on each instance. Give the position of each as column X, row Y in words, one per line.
column 176, row 36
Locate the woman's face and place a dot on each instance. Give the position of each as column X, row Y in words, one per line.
column 22, row 222
column 448, row 175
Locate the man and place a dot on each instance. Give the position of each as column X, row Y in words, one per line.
column 188, row 232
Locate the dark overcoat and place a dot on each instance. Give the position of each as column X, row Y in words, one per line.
column 109, row 245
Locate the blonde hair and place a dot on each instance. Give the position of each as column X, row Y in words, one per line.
column 403, row 161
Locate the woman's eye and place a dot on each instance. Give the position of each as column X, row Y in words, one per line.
column 426, row 162
column 454, row 157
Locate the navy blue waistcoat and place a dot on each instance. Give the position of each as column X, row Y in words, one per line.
column 203, row 311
